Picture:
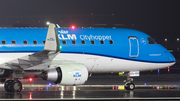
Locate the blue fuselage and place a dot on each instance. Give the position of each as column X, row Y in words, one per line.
column 117, row 43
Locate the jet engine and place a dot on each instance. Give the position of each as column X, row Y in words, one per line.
column 5, row 72
column 67, row 74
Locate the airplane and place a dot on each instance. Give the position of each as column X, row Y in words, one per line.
column 67, row 56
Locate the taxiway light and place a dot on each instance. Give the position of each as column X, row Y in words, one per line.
column 49, row 84
column 168, row 70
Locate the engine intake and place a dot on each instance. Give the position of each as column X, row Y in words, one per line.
column 5, row 72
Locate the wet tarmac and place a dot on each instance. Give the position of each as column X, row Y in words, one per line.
column 85, row 92
column 100, row 87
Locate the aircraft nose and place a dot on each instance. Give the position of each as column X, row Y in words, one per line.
column 171, row 58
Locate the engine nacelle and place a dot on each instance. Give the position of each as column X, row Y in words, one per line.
column 68, row 74
column 5, row 72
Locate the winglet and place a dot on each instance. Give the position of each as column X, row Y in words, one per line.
column 52, row 41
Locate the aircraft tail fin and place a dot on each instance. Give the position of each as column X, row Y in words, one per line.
column 52, row 41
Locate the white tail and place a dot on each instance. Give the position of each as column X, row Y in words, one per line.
column 52, row 40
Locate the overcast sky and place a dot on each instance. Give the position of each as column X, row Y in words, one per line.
column 162, row 16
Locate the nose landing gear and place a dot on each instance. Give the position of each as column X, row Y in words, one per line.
column 13, row 85
column 129, row 85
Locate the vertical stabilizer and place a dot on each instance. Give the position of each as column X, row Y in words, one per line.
column 52, row 40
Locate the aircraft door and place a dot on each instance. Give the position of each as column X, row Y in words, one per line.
column 134, row 47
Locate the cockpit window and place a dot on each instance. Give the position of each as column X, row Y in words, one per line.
column 151, row 41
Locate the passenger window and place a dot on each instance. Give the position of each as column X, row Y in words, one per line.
column 25, row 42
column 44, row 41
column 111, row 42
column 102, row 42
column 64, row 42
column 92, row 42
column 35, row 42
column 83, row 42
column 151, row 41
column 3, row 42
column 73, row 42
column 13, row 42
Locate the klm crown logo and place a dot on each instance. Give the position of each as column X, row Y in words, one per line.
column 51, row 39
column 77, row 74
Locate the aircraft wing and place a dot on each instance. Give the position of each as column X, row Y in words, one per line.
column 40, row 60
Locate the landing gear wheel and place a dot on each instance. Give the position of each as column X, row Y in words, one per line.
column 16, row 86
column 2, row 80
column 7, row 85
column 13, row 86
column 129, row 86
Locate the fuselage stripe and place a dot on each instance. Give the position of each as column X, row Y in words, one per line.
column 93, row 54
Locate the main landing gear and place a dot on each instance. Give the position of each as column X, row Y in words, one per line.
column 13, row 85
column 129, row 85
